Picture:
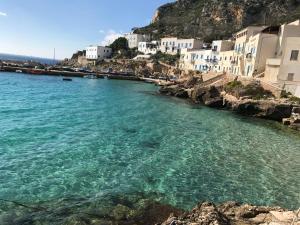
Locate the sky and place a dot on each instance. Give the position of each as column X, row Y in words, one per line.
column 36, row 27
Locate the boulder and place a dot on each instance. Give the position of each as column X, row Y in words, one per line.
column 296, row 110
column 213, row 98
column 277, row 111
column 182, row 93
column 193, row 81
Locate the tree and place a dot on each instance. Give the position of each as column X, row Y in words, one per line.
column 119, row 44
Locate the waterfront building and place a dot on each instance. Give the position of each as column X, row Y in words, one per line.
column 135, row 39
column 283, row 69
column 173, row 45
column 149, row 48
column 206, row 60
column 95, row 52
column 241, row 39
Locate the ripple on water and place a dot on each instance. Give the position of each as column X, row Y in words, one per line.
column 88, row 137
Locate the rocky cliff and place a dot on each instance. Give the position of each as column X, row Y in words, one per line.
column 216, row 19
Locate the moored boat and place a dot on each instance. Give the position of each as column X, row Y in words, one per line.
column 67, row 79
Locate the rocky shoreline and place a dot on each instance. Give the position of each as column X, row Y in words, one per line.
column 216, row 96
column 136, row 210
column 233, row 213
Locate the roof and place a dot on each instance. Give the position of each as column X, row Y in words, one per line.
column 271, row 30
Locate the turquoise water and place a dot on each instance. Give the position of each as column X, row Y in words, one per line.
column 89, row 138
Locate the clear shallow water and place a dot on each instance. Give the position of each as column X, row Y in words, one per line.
column 89, row 138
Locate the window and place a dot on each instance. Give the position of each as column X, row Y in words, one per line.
column 294, row 55
column 290, row 77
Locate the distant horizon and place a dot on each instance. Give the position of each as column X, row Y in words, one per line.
column 47, row 26
column 30, row 56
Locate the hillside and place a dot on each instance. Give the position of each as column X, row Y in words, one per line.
column 215, row 19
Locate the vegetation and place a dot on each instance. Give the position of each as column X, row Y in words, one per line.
column 119, row 44
column 285, row 94
column 120, row 49
column 165, row 58
column 295, row 99
column 213, row 20
column 253, row 90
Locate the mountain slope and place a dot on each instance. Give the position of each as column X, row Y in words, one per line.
column 215, row 19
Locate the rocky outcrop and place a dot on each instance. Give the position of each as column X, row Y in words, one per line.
column 217, row 19
column 209, row 96
column 232, row 213
column 212, row 96
column 174, row 90
column 294, row 120
column 268, row 109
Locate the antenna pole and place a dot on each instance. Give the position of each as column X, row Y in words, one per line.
column 54, row 56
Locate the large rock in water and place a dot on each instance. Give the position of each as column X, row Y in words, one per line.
column 263, row 109
column 209, row 96
column 174, row 90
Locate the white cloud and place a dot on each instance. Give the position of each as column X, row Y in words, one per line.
column 110, row 37
column 3, row 14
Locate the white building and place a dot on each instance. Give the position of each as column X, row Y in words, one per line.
column 206, row 60
column 98, row 52
column 283, row 69
column 173, row 45
column 135, row 39
column 149, row 48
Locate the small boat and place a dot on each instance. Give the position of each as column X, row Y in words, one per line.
column 19, row 71
column 67, row 79
column 36, row 72
column 91, row 77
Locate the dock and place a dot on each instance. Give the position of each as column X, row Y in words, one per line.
column 101, row 75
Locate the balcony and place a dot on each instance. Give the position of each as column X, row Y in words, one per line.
column 249, row 56
column 273, row 62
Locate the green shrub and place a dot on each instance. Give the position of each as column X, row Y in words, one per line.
column 253, row 90
column 165, row 58
column 295, row 99
column 285, row 94
column 233, row 86
column 256, row 91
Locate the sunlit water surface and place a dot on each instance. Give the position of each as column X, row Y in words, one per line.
column 89, row 138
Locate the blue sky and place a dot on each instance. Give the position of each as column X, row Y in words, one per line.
column 36, row 27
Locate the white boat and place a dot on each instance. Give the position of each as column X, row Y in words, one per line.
column 19, row 71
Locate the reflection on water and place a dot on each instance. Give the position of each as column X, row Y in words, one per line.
column 84, row 138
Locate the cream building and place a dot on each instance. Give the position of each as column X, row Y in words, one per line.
column 206, row 60
column 283, row 69
column 173, row 45
column 241, row 39
column 135, row 39
column 224, row 62
column 259, row 47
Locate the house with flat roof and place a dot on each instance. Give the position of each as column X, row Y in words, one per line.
column 134, row 39
column 173, row 45
column 283, row 69
column 149, row 48
column 95, row 52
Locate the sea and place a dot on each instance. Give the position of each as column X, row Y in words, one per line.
column 88, row 146
column 28, row 58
